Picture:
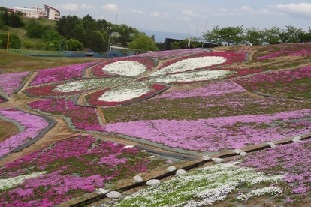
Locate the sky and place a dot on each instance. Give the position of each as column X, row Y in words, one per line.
column 191, row 17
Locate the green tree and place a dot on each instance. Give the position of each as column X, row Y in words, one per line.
column 15, row 21
column 6, row 17
column 70, row 27
column 28, row 44
column 254, row 36
column 231, row 34
column 272, row 35
column 2, row 25
column 14, row 41
column 175, row 45
column 34, row 29
column 213, row 35
column 74, row 45
column 52, row 39
column 291, row 34
column 95, row 40
column 89, row 24
column 40, row 45
column 143, row 42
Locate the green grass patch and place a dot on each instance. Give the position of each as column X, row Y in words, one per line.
column 200, row 108
column 4, row 132
column 10, row 62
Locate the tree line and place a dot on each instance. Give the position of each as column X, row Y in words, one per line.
column 255, row 36
column 73, row 33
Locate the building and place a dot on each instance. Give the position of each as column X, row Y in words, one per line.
column 36, row 12
column 51, row 13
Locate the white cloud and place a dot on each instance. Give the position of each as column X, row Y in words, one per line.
column 110, row 7
column 86, row 6
column 155, row 14
column 188, row 13
column 159, row 15
column 137, row 11
column 221, row 12
column 69, row 6
column 247, row 9
column 301, row 9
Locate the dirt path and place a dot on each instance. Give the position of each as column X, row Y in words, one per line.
column 28, row 81
column 88, row 72
column 59, row 132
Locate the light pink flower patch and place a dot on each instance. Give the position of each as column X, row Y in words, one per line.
column 214, row 134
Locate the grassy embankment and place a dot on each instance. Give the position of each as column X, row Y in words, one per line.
column 10, row 62
column 18, row 63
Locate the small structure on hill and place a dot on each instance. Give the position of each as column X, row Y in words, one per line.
column 37, row 12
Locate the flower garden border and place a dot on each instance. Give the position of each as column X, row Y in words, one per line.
column 3, row 97
column 97, row 72
column 51, row 123
column 66, row 119
column 22, row 85
column 17, row 124
column 19, row 85
column 226, row 55
column 150, row 94
column 180, row 154
column 280, row 97
column 94, row 197
column 65, row 94
column 82, row 76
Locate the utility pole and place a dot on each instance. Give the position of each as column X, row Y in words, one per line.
column 8, row 43
column 109, row 34
column 117, row 16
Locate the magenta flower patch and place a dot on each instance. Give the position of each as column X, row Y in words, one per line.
column 83, row 118
column 213, row 88
column 60, row 74
column 170, row 53
column 72, row 167
column 32, row 126
column 283, row 50
column 292, row 159
column 294, row 83
column 11, row 82
column 215, row 134
column 2, row 100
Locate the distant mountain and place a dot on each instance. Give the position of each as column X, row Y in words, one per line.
column 160, row 35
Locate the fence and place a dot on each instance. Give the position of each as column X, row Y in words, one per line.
column 72, row 54
column 38, row 53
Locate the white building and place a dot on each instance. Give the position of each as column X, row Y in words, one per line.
column 39, row 12
column 35, row 12
column 51, row 13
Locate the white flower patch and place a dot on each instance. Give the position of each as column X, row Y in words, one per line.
column 200, row 75
column 202, row 187
column 11, row 182
column 89, row 84
column 125, row 68
column 125, row 92
column 190, row 64
column 259, row 192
